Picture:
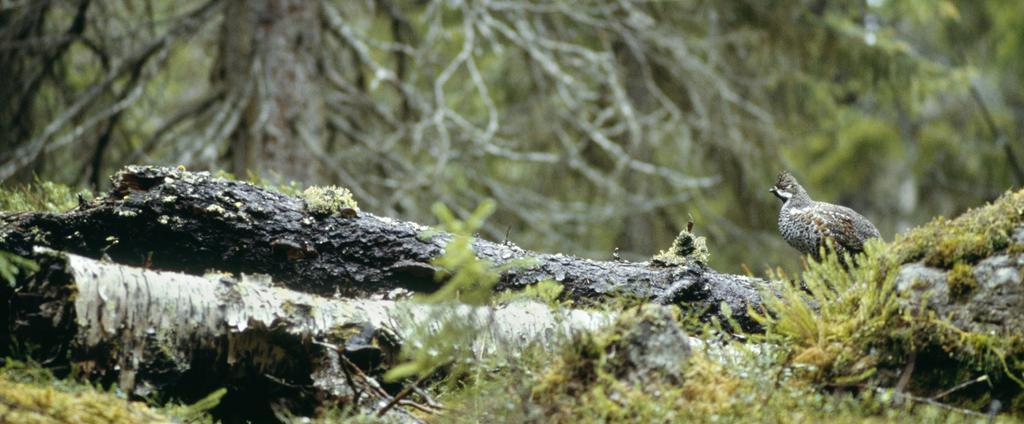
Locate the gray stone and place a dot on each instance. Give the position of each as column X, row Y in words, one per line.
column 996, row 306
column 922, row 282
column 1018, row 236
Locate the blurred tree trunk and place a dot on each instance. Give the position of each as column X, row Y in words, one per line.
column 268, row 64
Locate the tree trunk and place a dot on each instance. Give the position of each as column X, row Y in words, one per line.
column 268, row 61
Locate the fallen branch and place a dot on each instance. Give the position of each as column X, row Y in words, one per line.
column 192, row 222
column 182, row 335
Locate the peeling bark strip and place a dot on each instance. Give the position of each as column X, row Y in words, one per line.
column 191, row 222
column 188, row 335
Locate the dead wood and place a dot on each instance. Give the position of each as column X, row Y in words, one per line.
column 171, row 219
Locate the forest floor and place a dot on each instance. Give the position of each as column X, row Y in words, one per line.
column 924, row 328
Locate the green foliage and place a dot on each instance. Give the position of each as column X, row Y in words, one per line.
column 867, row 141
column 833, row 316
column 44, row 196
column 447, row 338
column 467, row 279
column 11, row 265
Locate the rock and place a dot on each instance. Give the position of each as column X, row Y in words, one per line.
column 1018, row 236
column 994, row 306
column 923, row 282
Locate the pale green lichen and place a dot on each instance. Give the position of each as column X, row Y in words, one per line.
column 329, row 200
column 686, row 249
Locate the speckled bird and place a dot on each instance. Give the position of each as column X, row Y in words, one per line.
column 805, row 224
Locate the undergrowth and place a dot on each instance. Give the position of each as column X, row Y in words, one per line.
column 29, row 393
column 42, row 196
column 838, row 337
column 849, row 328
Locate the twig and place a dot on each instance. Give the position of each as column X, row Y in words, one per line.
column 1011, row 157
column 426, row 397
column 901, row 385
column 369, row 381
column 960, row 386
column 28, row 152
column 405, row 392
column 929, row 401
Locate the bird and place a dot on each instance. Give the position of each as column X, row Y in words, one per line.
column 805, row 223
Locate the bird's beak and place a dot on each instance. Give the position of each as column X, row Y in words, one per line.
column 772, row 190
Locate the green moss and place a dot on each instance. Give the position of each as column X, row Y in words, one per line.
column 960, row 280
column 32, row 394
column 686, row 249
column 831, row 320
column 42, row 196
column 546, row 291
column 733, row 382
column 329, row 200
column 976, row 234
column 845, row 327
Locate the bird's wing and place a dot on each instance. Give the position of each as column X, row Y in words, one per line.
column 839, row 224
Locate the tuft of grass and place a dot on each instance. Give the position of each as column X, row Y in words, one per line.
column 833, row 319
column 42, row 196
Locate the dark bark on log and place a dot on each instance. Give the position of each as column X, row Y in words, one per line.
column 191, row 222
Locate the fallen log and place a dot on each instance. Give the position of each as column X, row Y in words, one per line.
column 171, row 219
column 295, row 351
column 183, row 336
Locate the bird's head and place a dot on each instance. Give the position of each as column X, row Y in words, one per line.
column 786, row 187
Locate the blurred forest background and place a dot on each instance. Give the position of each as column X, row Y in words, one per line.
column 594, row 125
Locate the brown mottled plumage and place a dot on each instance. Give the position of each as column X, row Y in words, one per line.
column 805, row 224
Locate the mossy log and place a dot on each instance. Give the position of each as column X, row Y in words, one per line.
column 170, row 219
column 179, row 335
